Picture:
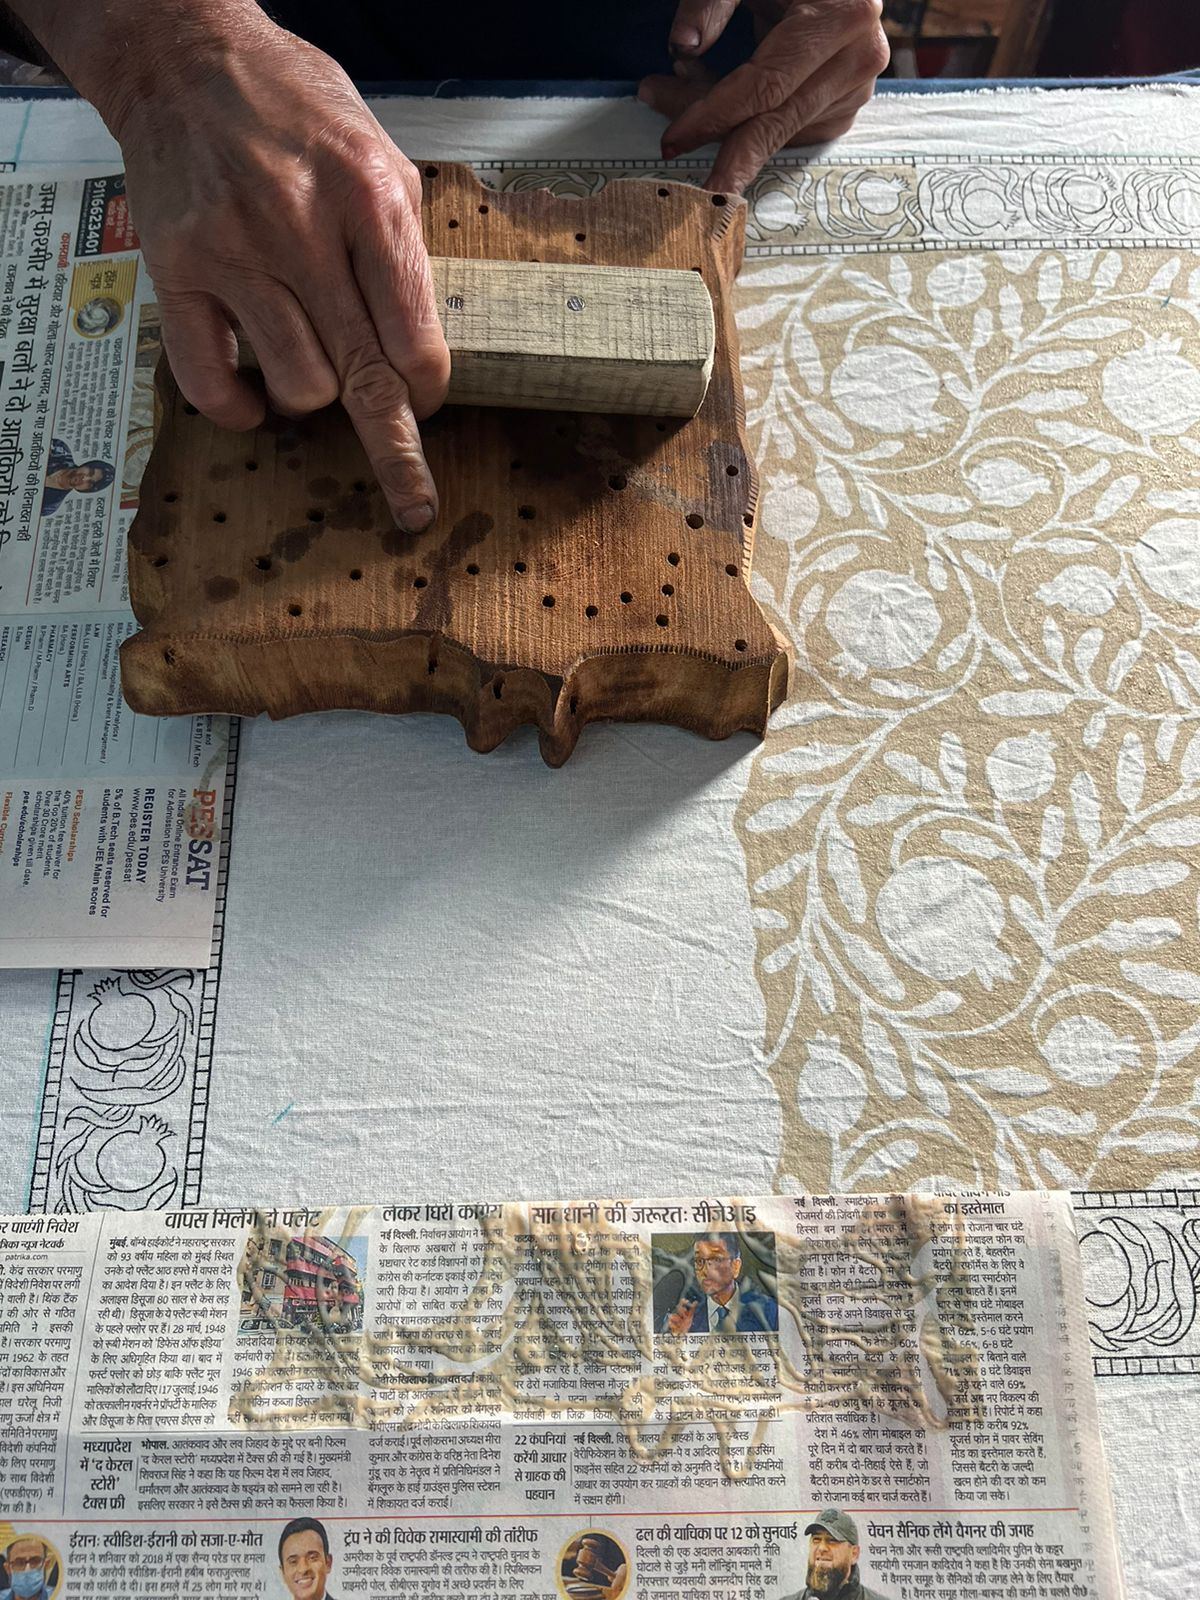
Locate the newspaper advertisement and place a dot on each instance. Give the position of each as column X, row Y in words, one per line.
column 868, row 1398
column 109, row 822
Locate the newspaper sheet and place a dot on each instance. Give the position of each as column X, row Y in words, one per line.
column 109, row 822
column 862, row 1397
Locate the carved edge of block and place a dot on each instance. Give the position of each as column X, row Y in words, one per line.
column 422, row 672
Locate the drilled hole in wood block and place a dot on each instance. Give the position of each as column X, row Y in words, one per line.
column 431, row 172
column 739, row 644
column 218, row 516
column 718, row 199
column 661, row 620
column 191, row 410
column 453, row 223
column 483, row 211
column 731, row 470
column 673, row 558
column 358, row 486
column 472, row 570
column 526, row 513
column 547, row 600
column 171, row 498
column 519, row 566
column 668, row 589
column 419, row 583
column 355, row 574
column 626, row 597
column 663, row 194
column 160, row 561
column 731, row 569
column 591, row 611
column 316, row 515
column 694, row 519
column 748, row 519
column 617, row 481
column 252, row 466
column 263, row 563
column 294, row 610
column 580, row 237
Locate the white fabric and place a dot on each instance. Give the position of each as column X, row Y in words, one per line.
column 1130, row 122
column 454, row 975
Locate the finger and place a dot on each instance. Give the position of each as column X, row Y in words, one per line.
column 391, row 264
column 377, row 401
column 789, row 56
column 202, row 349
column 837, row 120
column 747, row 149
column 297, row 372
column 669, row 96
column 699, row 24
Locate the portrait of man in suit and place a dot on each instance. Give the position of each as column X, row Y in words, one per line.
column 721, row 1298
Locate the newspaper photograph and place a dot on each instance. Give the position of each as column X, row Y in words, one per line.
column 109, row 822
column 861, row 1398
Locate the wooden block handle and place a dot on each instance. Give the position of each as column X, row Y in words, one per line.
column 550, row 337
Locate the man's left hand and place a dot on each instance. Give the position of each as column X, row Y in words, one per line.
column 814, row 69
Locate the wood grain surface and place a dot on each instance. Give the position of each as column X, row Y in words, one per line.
column 548, row 337
column 581, row 567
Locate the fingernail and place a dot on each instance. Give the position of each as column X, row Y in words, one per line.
column 686, row 39
column 416, row 518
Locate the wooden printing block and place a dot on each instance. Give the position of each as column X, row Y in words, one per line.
column 581, row 567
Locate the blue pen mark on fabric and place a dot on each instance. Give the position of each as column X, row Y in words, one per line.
column 283, row 1113
column 21, row 136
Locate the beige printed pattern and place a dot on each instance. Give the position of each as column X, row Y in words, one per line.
column 971, row 833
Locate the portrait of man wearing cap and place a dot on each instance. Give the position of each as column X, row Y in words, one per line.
column 833, row 1551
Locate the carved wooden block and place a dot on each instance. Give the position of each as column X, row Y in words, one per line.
column 582, row 566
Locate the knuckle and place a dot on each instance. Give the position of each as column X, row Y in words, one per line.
column 410, row 180
column 772, row 87
column 877, row 54
column 371, row 387
column 864, row 13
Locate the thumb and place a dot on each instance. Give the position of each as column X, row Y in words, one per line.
column 699, row 24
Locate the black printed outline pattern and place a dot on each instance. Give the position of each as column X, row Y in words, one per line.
column 969, row 202
column 129, row 1066
column 1151, row 1327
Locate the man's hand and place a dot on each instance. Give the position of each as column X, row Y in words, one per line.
column 266, row 195
column 680, row 1320
column 814, row 69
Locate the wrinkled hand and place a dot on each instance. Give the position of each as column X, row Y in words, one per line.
column 814, row 69
column 680, row 1320
column 271, row 198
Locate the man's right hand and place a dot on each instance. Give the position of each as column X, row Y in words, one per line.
column 265, row 194
column 680, row 1320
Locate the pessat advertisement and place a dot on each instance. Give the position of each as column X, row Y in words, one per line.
column 109, row 822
